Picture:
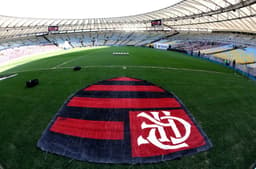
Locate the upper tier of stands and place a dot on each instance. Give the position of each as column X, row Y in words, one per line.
column 229, row 38
column 106, row 38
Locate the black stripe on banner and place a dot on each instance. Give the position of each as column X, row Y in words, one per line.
column 116, row 151
column 101, row 114
column 107, row 94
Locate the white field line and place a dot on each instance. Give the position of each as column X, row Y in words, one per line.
column 127, row 67
column 7, row 77
column 63, row 63
column 68, row 61
column 151, row 67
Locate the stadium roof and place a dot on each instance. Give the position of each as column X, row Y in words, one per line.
column 193, row 15
column 79, row 9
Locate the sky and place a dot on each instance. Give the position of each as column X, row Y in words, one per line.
column 80, row 8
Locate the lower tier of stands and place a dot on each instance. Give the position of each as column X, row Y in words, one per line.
column 248, row 70
column 23, row 51
column 240, row 56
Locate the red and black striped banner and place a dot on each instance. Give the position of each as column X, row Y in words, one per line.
column 123, row 120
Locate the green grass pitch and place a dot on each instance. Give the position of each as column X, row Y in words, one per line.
column 222, row 102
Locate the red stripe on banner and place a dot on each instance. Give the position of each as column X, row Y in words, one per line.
column 123, row 79
column 107, row 130
column 129, row 88
column 123, row 102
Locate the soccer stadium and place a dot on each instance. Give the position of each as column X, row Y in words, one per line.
column 169, row 88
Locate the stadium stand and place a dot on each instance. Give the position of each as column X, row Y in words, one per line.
column 239, row 55
column 231, row 38
column 109, row 38
column 10, row 54
column 217, row 49
column 231, row 49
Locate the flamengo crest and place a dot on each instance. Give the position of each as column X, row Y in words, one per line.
column 161, row 132
column 165, row 141
column 123, row 120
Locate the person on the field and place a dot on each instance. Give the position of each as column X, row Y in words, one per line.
column 234, row 63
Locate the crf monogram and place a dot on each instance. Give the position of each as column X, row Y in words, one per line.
column 163, row 141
